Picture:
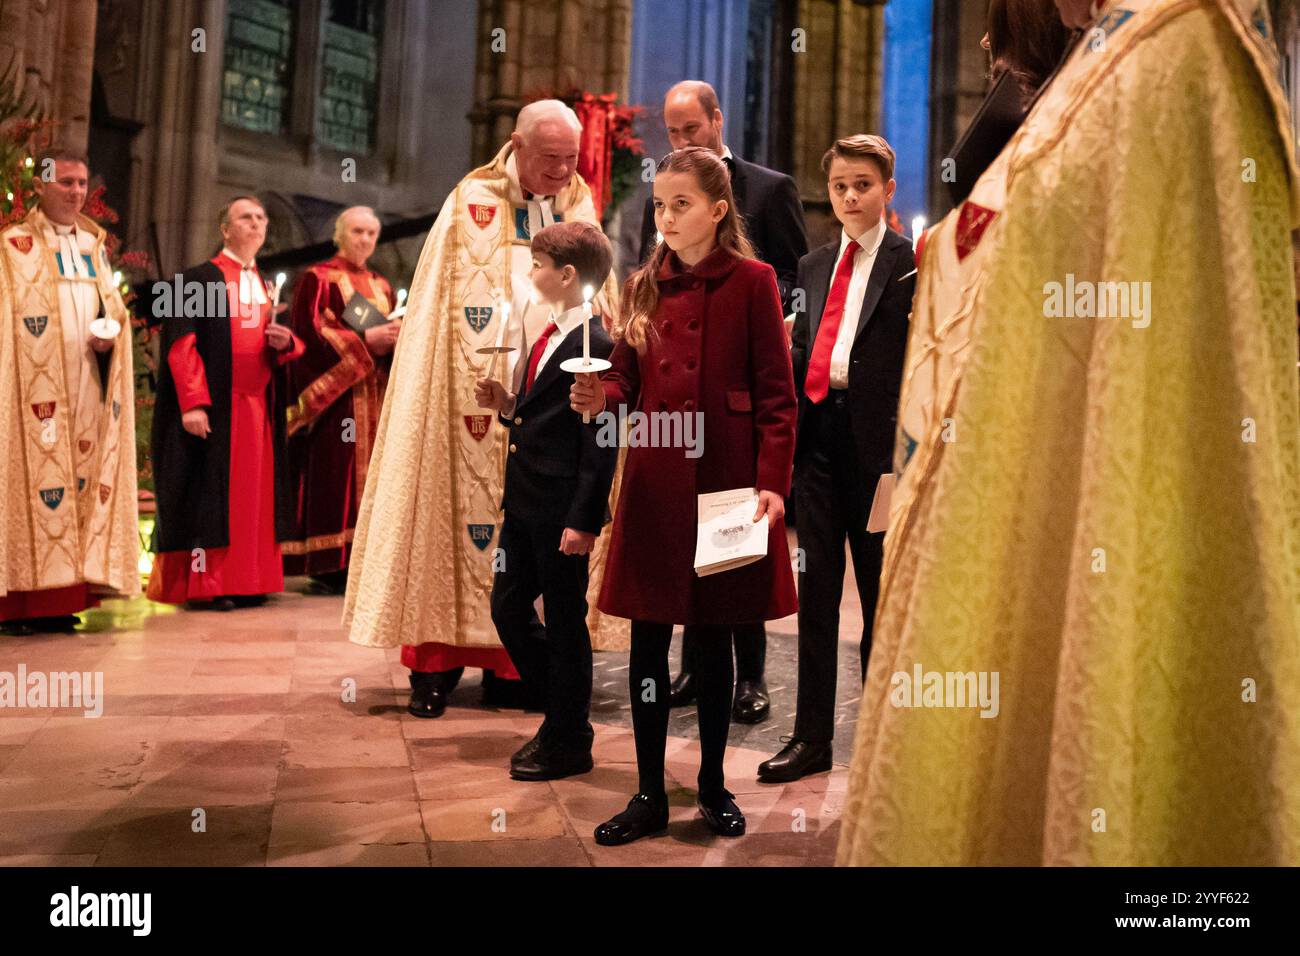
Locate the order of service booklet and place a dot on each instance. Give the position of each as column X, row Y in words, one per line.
column 728, row 536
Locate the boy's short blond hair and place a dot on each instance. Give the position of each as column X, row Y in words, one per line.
column 863, row 146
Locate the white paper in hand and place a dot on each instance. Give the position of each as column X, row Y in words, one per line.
column 728, row 536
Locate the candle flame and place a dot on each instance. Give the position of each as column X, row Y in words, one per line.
column 401, row 296
column 587, row 293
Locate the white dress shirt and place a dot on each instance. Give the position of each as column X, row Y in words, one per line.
column 79, row 305
column 862, row 265
column 565, row 323
column 251, row 289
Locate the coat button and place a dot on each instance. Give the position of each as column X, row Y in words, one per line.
column 519, row 421
column 665, row 365
column 666, row 327
column 663, row 406
column 693, row 324
column 690, row 365
column 688, row 404
column 513, row 449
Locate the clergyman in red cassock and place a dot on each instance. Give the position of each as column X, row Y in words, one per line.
column 336, row 394
column 221, row 477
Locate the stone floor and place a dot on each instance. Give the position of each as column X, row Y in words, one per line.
column 225, row 740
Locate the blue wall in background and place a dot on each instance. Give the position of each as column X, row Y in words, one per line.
column 906, row 101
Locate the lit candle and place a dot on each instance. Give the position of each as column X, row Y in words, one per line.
column 401, row 297
column 918, row 227
column 587, row 293
column 275, row 299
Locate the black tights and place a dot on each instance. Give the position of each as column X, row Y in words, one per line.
column 648, row 682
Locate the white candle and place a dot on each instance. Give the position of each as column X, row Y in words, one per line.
column 587, row 293
column 504, row 307
column 275, row 299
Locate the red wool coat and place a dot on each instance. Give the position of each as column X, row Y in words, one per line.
column 721, row 350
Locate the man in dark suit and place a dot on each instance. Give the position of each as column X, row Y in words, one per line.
column 847, row 349
column 768, row 202
column 556, row 502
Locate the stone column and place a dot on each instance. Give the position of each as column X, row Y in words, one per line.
column 549, row 45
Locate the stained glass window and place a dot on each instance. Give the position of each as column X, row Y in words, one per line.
column 349, row 76
column 255, row 87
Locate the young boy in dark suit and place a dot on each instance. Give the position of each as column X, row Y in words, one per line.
column 556, row 502
column 847, row 349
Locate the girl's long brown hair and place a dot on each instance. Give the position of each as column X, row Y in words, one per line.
column 1027, row 39
column 641, row 292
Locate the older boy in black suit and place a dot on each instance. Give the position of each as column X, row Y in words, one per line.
column 556, row 496
column 847, row 349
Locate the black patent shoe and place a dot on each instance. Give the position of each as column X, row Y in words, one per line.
column 751, row 705
column 682, row 691
column 797, row 759
column 526, row 752
column 721, row 813
column 248, row 600
column 428, row 699
column 645, row 815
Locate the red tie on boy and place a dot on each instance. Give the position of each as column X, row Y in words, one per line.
column 818, row 380
column 535, row 358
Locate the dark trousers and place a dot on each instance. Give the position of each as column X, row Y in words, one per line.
column 648, row 685
column 554, row 658
column 834, row 502
column 750, row 641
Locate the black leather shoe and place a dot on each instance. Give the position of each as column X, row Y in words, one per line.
column 797, row 759
column 216, row 604
column 428, row 699
column 721, row 813
column 682, row 691
column 751, row 705
column 526, row 752
column 645, row 815
column 548, row 764
column 248, row 600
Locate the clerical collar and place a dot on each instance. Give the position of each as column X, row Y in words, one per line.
column 569, row 319
column 250, row 264
column 63, row 230
column 869, row 240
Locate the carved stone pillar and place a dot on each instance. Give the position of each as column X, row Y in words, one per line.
column 553, row 46
column 837, row 81
column 50, row 44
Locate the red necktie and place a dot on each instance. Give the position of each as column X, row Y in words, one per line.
column 818, row 380
column 535, row 358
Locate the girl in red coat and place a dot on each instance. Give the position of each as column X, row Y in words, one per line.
column 701, row 332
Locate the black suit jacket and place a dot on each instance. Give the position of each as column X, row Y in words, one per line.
column 556, row 472
column 769, row 204
column 879, row 348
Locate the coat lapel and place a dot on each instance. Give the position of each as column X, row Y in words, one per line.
column 881, row 270
column 820, row 279
column 570, row 347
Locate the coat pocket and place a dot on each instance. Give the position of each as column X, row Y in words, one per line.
column 739, row 401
